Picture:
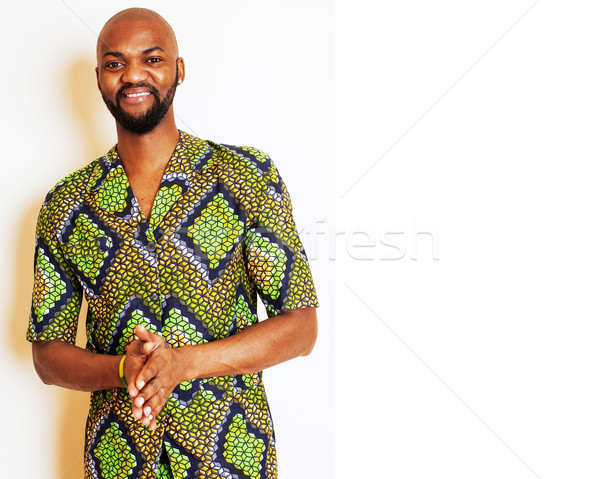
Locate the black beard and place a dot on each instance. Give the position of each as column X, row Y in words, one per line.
column 146, row 122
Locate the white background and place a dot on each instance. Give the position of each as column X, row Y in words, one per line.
column 492, row 368
column 259, row 74
column 467, row 260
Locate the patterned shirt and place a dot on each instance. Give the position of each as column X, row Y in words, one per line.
column 221, row 232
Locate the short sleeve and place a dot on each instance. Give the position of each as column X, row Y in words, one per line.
column 56, row 299
column 275, row 257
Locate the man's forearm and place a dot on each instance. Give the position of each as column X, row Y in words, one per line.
column 272, row 341
column 72, row 367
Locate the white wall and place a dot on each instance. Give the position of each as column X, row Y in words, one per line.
column 258, row 73
column 482, row 363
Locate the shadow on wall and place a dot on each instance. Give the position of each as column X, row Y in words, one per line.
column 81, row 91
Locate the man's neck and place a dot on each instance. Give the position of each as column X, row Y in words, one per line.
column 147, row 153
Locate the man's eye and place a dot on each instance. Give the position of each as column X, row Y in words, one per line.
column 154, row 60
column 113, row 64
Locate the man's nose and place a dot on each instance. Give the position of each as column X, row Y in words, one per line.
column 134, row 73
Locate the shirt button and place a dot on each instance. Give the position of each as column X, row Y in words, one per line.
column 151, row 246
column 154, row 296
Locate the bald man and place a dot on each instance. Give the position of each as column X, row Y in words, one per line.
column 171, row 238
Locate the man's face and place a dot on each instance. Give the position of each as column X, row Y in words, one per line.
column 137, row 73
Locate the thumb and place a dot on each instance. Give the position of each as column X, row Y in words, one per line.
column 142, row 333
column 149, row 341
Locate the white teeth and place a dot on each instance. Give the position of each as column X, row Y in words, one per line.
column 133, row 95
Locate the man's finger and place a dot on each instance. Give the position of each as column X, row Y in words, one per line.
column 149, row 371
column 155, row 392
column 137, row 411
column 150, row 422
column 145, row 335
column 157, row 402
column 133, row 391
column 149, row 341
column 141, row 332
column 147, row 400
column 154, row 405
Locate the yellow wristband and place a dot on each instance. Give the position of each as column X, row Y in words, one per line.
column 121, row 372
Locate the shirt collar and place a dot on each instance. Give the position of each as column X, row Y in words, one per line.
column 190, row 155
column 109, row 185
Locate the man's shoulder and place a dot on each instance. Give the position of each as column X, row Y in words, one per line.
column 248, row 153
column 72, row 187
column 242, row 158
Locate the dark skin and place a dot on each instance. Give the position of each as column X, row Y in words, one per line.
column 136, row 46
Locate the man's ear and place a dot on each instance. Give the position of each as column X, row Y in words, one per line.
column 181, row 69
column 98, row 80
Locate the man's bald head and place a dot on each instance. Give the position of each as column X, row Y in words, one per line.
column 136, row 20
column 138, row 69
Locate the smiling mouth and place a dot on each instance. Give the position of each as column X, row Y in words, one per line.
column 134, row 95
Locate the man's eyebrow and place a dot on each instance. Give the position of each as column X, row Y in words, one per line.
column 120, row 55
column 114, row 54
column 150, row 50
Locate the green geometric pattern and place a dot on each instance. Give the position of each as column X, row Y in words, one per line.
column 180, row 331
column 243, row 449
column 85, row 250
column 270, row 261
column 51, row 287
column 164, row 472
column 216, row 229
column 165, row 198
column 116, row 460
column 244, row 315
column 85, row 229
column 179, row 462
column 113, row 197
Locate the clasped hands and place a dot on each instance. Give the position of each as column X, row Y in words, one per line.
column 151, row 373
